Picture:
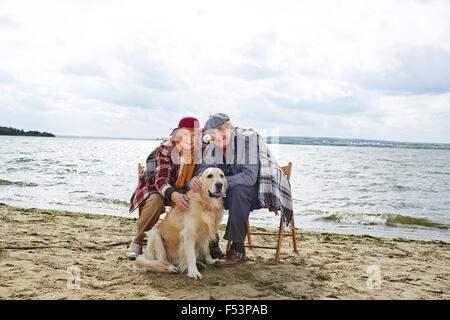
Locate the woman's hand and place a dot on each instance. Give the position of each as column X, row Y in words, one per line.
column 196, row 184
column 181, row 200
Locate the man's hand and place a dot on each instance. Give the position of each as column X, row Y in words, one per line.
column 195, row 184
column 181, row 200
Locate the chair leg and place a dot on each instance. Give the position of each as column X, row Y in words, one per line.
column 280, row 238
column 294, row 239
column 249, row 239
column 228, row 245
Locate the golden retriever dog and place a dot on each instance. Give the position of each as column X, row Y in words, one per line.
column 184, row 236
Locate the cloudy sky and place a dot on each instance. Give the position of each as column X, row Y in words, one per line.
column 348, row 69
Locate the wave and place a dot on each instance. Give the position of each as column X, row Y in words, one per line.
column 438, row 172
column 107, row 200
column 388, row 219
column 115, row 201
column 401, row 188
column 21, row 160
column 17, row 183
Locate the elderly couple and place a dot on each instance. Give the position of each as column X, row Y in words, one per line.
column 181, row 159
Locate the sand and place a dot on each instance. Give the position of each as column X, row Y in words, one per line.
column 38, row 246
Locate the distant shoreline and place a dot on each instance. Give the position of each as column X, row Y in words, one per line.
column 292, row 140
column 314, row 141
column 323, row 141
column 9, row 131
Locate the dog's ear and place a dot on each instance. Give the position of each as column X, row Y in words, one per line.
column 225, row 185
column 200, row 175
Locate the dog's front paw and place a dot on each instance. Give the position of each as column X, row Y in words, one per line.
column 173, row 269
column 194, row 274
column 210, row 260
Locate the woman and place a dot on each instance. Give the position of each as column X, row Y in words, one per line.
column 176, row 160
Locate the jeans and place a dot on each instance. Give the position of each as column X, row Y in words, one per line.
column 239, row 201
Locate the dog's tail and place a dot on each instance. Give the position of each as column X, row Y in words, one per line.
column 142, row 264
column 154, row 257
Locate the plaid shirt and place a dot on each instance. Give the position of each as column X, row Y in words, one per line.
column 166, row 174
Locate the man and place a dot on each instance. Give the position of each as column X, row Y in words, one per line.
column 236, row 153
column 175, row 161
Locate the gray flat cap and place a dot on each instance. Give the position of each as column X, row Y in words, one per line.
column 216, row 120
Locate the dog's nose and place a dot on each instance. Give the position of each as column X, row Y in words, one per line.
column 219, row 186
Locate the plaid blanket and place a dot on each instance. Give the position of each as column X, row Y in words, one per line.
column 274, row 190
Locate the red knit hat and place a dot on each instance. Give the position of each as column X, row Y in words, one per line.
column 189, row 123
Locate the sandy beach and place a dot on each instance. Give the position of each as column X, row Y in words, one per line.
column 38, row 246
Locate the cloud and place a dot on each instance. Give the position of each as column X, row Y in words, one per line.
column 134, row 79
column 323, row 68
column 148, row 71
column 340, row 106
column 122, row 94
column 8, row 22
column 261, row 48
column 85, row 69
column 6, row 76
column 410, row 70
column 246, row 71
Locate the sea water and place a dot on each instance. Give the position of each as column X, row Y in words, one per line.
column 388, row 192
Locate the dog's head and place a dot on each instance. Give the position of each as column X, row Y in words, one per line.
column 214, row 182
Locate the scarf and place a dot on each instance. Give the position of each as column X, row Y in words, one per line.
column 188, row 167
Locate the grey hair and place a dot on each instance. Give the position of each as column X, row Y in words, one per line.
column 230, row 125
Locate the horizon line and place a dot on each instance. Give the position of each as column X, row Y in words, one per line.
column 354, row 139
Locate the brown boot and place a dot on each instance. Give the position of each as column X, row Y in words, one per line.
column 231, row 259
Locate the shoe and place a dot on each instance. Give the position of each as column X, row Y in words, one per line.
column 133, row 251
column 216, row 253
column 231, row 259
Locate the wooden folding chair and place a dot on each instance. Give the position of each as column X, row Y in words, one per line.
column 287, row 171
column 140, row 170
